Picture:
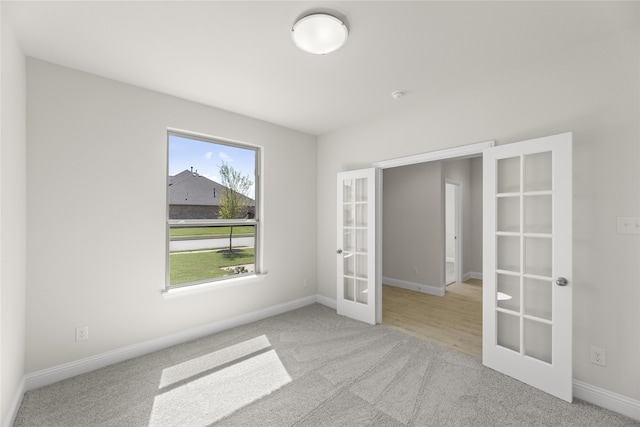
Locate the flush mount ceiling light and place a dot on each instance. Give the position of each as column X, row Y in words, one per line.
column 319, row 33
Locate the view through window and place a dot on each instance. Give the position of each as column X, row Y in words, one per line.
column 212, row 210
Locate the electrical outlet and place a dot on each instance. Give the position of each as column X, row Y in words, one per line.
column 598, row 356
column 628, row 225
column 82, row 333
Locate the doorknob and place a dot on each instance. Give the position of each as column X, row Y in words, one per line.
column 339, row 251
column 561, row 281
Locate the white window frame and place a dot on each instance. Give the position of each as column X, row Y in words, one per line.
column 189, row 287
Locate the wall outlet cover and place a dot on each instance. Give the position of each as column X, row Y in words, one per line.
column 598, row 356
column 628, row 225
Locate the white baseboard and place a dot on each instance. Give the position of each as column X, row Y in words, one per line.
column 427, row 289
column 15, row 405
column 471, row 275
column 329, row 302
column 607, row 399
column 77, row 367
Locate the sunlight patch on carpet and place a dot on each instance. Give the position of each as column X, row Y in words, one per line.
column 199, row 365
column 206, row 389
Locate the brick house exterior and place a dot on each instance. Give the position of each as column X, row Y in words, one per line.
column 193, row 196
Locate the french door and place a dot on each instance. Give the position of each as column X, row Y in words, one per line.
column 356, row 252
column 527, row 265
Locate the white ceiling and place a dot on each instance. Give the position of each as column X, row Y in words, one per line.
column 239, row 56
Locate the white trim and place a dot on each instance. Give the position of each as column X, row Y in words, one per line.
column 12, row 412
column 471, row 275
column 412, row 286
column 326, row 301
column 378, row 245
column 448, row 153
column 607, row 399
column 211, row 286
column 77, row 367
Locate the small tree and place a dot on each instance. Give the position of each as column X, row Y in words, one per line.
column 234, row 199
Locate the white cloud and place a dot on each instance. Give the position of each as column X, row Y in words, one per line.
column 225, row 157
column 208, row 155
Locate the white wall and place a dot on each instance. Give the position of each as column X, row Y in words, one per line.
column 591, row 90
column 413, row 234
column 460, row 170
column 12, row 216
column 97, row 215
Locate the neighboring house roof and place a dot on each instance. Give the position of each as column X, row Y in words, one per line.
column 191, row 188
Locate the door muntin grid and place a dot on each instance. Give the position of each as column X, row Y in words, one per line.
column 524, row 238
column 355, row 254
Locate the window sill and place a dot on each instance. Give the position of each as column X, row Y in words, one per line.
column 207, row 287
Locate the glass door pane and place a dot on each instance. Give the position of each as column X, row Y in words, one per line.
column 508, row 253
column 537, row 167
column 355, row 208
column 524, row 242
column 509, row 175
column 508, row 292
column 537, row 258
column 537, row 214
column 538, row 298
column 508, row 212
column 537, row 340
column 509, row 331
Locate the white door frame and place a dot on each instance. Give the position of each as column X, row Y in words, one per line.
column 457, row 266
column 462, row 151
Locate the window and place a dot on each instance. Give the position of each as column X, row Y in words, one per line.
column 212, row 210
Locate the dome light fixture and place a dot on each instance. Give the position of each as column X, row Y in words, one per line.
column 319, row 33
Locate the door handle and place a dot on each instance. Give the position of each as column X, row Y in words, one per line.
column 561, row 281
column 339, row 251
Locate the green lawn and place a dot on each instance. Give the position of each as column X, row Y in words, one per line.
column 209, row 232
column 188, row 267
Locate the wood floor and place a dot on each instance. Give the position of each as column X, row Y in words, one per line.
column 453, row 320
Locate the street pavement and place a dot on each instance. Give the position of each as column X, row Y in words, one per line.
column 199, row 244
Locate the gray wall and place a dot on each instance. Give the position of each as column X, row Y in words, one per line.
column 591, row 90
column 412, row 224
column 13, row 205
column 93, row 263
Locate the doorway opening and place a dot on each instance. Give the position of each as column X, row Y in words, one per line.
column 418, row 295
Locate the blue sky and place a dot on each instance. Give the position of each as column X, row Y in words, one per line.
column 206, row 158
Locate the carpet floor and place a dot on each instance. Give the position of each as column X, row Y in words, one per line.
column 308, row 367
